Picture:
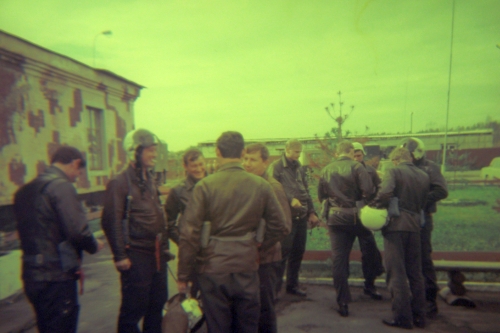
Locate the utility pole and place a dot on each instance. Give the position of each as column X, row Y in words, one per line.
column 340, row 120
column 443, row 165
column 411, row 122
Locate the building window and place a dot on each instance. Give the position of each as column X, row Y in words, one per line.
column 95, row 134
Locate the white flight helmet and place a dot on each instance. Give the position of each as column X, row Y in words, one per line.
column 415, row 146
column 372, row 218
column 138, row 138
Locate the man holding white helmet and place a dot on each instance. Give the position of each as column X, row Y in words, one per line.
column 371, row 260
column 402, row 239
column 343, row 183
column 134, row 223
column 438, row 191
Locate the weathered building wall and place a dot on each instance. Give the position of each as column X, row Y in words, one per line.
column 48, row 100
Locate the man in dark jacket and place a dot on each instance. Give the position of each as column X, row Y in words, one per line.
column 402, row 239
column 256, row 161
column 438, row 191
column 53, row 229
column 343, row 183
column 179, row 196
column 371, row 259
column 232, row 202
column 134, row 222
column 287, row 170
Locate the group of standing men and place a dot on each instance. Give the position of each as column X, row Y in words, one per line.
column 410, row 192
column 238, row 231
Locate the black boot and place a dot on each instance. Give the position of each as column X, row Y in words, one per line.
column 343, row 309
column 371, row 290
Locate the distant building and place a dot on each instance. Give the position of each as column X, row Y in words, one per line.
column 481, row 146
column 48, row 100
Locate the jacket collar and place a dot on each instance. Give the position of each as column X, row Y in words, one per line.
column 190, row 182
column 230, row 165
column 343, row 158
column 133, row 175
column 288, row 163
column 56, row 171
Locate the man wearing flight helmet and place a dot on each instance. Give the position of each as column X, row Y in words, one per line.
column 438, row 191
column 135, row 226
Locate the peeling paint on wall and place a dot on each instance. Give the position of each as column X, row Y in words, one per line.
column 53, row 106
column 17, row 171
column 43, row 105
column 121, row 131
column 74, row 112
column 83, row 180
column 127, row 97
column 56, row 137
column 111, row 153
column 40, row 167
column 51, row 149
column 36, row 120
column 50, row 94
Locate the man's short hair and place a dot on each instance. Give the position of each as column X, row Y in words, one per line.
column 293, row 143
column 400, row 154
column 66, row 155
column 344, row 147
column 191, row 155
column 255, row 147
column 231, row 144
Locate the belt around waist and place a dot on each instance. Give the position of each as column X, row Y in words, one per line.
column 40, row 258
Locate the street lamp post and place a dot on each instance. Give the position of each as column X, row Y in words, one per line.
column 443, row 165
column 106, row 33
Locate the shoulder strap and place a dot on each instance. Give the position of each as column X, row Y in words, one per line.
column 129, row 196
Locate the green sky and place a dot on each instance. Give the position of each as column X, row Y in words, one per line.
column 269, row 68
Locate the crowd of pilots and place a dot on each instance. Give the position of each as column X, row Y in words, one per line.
column 241, row 233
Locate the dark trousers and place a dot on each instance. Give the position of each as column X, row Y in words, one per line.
column 404, row 275
column 268, row 279
column 56, row 305
column 371, row 259
column 292, row 251
column 144, row 292
column 341, row 239
column 430, row 280
column 230, row 302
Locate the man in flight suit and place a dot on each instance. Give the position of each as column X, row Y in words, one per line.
column 288, row 171
column 256, row 161
column 402, row 239
column 438, row 191
column 194, row 165
column 134, row 222
column 54, row 231
column 343, row 183
column 371, row 259
column 233, row 202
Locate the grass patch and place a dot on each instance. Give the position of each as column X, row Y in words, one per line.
column 456, row 228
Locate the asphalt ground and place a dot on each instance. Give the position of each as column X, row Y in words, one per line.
column 314, row 314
